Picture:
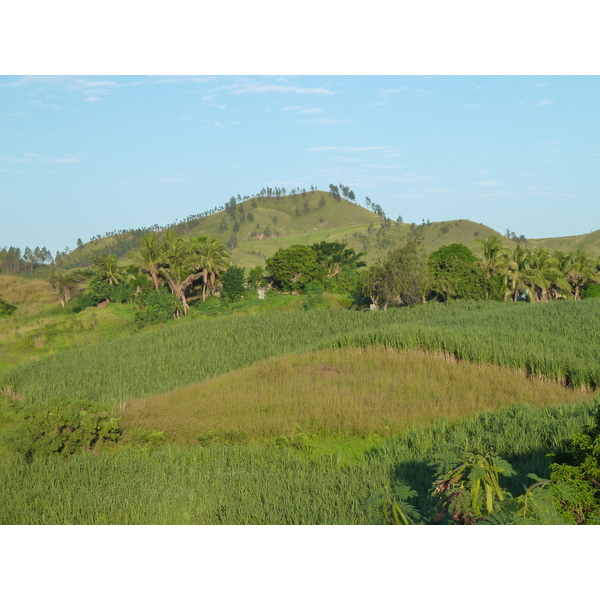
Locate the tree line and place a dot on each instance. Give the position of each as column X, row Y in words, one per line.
column 407, row 275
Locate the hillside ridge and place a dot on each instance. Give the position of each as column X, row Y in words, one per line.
column 255, row 228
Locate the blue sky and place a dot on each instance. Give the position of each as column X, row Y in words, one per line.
column 82, row 155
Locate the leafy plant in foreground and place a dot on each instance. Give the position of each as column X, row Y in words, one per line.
column 468, row 484
column 469, row 491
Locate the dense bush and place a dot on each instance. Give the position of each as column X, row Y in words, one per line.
column 233, row 281
column 593, row 291
column 6, row 308
column 454, row 274
column 156, row 307
column 64, row 430
column 314, row 291
column 80, row 303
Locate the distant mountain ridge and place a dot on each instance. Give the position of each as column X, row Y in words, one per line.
column 256, row 228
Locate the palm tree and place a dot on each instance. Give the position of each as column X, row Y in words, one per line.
column 108, row 268
column 149, row 257
column 212, row 259
column 491, row 248
column 178, row 268
column 581, row 271
column 543, row 272
column 511, row 267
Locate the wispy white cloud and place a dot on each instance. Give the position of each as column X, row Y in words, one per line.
column 405, row 90
column 393, row 91
column 177, row 79
column 545, row 102
column 331, row 121
column 219, row 124
column 92, row 89
column 101, row 84
column 471, row 105
column 350, row 148
column 64, row 160
column 258, row 88
column 304, row 109
column 486, row 182
column 11, row 159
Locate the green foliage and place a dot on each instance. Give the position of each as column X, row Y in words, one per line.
column 469, row 491
column 395, row 508
column 64, row 430
column 80, row 303
column 156, row 307
column 347, row 281
column 233, row 281
column 401, row 277
column 453, row 252
column 122, row 292
column 150, row 439
column 6, row 308
column 255, row 278
column 66, row 283
column 314, row 291
column 455, row 275
column 467, row 484
column 226, row 483
column 291, row 269
column 99, row 289
column 335, row 256
column 579, row 467
column 592, row 291
column 556, row 341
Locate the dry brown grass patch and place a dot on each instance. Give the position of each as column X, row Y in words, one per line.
column 349, row 391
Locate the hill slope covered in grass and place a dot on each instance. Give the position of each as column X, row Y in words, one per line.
column 260, row 226
column 556, row 340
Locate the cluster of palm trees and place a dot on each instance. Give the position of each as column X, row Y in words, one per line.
column 181, row 263
column 538, row 274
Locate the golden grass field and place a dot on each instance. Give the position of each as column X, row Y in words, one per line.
column 354, row 391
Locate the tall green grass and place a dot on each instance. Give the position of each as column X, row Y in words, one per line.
column 241, row 485
column 557, row 340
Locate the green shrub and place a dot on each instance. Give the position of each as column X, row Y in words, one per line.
column 80, row 303
column 99, row 289
column 593, row 291
column 122, row 292
column 233, row 284
column 64, row 431
column 314, row 291
column 6, row 308
column 156, row 307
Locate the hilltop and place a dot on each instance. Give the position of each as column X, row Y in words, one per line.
column 256, row 228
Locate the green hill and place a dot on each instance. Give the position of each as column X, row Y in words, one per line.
column 588, row 242
column 259, row 226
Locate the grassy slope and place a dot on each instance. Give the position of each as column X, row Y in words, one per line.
column 589, row 243
column 40, row 326
column 343, row 392
column 556, row 340
column 336, row 221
